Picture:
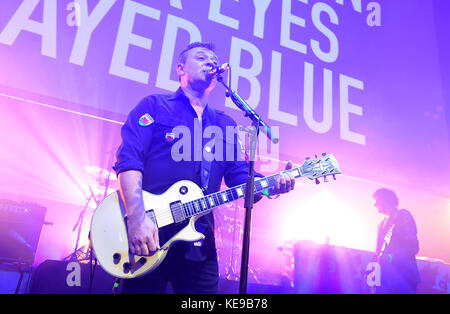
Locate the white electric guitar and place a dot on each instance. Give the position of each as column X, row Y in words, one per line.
column 183, row 201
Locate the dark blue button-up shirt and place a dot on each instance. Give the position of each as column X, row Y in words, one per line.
column 151, row 144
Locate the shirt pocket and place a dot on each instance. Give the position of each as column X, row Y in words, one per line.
column 164, row 137
column 164, row 130
column 232, row 148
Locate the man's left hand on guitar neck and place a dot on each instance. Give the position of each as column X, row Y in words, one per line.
column 284, row 183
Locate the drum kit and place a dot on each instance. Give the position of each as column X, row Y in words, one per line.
column 104, row 182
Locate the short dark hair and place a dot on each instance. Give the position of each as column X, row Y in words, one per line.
column 387, row 195
column 207, row 45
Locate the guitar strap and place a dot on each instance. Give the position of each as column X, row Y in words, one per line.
column 388, row 233
column 206, row 164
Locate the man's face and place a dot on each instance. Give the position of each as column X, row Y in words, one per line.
column 381, row 205
column 199, row 61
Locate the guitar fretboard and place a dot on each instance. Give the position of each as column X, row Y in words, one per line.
column 217, row 199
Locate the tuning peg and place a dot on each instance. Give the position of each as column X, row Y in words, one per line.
column 317, row 181
column 325, row 179
column 334, row 176
column 307, row 158
column 324, row 154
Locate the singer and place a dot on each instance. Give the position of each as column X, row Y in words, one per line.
column 144, row 162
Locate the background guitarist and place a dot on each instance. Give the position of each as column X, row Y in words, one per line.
column 397, row 245
column 145, row 161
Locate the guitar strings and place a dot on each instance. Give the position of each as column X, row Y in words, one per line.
column 167, row 215
column 190, row 209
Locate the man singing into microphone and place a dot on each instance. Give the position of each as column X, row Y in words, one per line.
column 145, row 162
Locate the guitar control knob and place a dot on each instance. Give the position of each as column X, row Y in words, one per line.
column 116, row 258
column 126, row 268
column 142, row 260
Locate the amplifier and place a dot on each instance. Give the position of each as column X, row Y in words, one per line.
column 20, row 230
column 70, row 277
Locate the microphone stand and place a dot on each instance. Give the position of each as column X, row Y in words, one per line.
column 258, row 125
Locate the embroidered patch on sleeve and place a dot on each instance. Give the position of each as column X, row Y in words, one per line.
column 146, row 120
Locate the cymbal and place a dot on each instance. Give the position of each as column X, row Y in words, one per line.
column 100, row 173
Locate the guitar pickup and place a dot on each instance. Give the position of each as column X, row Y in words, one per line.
column 177, row 211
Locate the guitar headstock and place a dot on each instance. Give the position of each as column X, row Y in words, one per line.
column 319, row 167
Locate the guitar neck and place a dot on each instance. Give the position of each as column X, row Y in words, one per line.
column 211, row 201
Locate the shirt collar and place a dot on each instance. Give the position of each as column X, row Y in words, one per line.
column 179, row 94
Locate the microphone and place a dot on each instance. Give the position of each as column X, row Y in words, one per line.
column 219, row 69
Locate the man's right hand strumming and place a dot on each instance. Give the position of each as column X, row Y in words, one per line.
column 143, row 236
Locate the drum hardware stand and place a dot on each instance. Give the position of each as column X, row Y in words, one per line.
column 79, row 253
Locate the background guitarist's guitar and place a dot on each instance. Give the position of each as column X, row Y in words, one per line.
column 183, row 201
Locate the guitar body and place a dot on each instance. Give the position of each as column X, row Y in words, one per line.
column 109, row 231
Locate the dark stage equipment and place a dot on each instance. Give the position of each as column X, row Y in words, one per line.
column 20, row 230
